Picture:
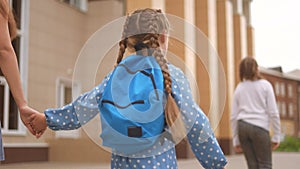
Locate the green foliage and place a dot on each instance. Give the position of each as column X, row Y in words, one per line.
column 290, row 144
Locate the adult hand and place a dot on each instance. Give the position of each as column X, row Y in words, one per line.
column 27, row 114
column 238, row 149
column 275, row 145
column 38, row 124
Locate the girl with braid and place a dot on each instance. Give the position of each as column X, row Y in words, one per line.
column 145, row 34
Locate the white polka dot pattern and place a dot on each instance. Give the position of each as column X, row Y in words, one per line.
column 200, row 134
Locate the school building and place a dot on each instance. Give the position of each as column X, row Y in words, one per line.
column 287, row 91
column 53, row 32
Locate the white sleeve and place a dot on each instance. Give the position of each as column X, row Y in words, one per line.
column 233, row 120
column 273, row 113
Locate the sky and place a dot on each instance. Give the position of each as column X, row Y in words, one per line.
column 277, row 33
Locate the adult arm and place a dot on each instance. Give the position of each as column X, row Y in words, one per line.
column 9, row 64
column 9, row 68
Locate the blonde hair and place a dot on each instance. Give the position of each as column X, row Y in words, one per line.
column 7, row 13
column 141, row 32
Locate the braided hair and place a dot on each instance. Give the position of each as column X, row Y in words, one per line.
column 141, row 32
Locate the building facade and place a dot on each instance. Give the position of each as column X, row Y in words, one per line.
column 53, row 32
column 286, row 89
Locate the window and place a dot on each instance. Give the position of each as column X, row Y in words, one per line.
column 279, row 108
column 290, row 91
column 283, row 109
column 79, row 4
column 64, row 96
column 4, row 93
column 9, row 111
column 282, row 89
column 277, row 90
column 291, row 110
column 9, row 115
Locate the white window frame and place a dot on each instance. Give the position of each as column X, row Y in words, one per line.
column 81, row 5
column 3, row 82
column 23, row 33
column 61, row 83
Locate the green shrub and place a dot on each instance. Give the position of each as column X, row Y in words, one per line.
column 289, row 144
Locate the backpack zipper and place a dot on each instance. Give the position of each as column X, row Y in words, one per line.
column 123, row 107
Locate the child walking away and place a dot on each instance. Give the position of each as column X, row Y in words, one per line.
column 145, row 104
column 253, row 111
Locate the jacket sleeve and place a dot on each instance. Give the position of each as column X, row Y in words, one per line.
column 77, row 113
column 199, row 132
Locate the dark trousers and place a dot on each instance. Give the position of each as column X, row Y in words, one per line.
column 256, row 144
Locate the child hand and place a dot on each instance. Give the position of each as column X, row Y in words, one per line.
column 275, row 145
column 38, row 123
column 238, row 149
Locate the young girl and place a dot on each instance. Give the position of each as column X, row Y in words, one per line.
column 145, row 33
column 254, row 109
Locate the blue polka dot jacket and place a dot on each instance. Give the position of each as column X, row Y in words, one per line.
column 162, row 155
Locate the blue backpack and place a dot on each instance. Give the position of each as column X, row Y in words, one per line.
column 132, row 105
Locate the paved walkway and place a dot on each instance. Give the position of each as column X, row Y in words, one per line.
column 280, row 161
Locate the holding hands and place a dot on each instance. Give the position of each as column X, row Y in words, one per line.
column 33, row 120
column 38, row 124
